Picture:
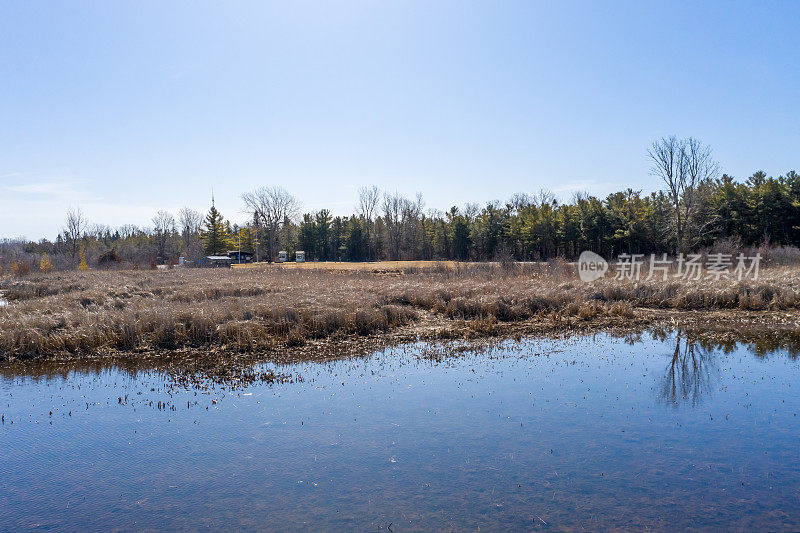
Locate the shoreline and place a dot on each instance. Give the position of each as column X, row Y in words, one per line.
column 767, row 331
column 308, row 314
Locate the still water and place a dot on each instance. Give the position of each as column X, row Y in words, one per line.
column 586, row 433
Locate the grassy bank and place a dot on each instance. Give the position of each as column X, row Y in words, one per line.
column 268, row 309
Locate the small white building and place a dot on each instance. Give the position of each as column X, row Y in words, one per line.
column 300, row 256
column 283, row 256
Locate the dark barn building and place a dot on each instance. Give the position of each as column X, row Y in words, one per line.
column 240, row 257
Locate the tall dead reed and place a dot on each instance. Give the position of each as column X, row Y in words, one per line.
column 259, row 309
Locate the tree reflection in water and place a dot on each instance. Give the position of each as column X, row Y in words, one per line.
column 688, row 375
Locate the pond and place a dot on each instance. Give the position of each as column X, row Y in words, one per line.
column 585, row 433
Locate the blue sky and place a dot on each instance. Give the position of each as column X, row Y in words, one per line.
column 127, row 108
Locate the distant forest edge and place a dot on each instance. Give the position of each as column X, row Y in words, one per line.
column 697, row 208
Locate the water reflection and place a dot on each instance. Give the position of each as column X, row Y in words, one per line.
column 562, row 434
column 758, row 341
column 184, row 370
column 688, row 375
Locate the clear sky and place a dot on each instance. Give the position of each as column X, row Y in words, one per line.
column 124, row 108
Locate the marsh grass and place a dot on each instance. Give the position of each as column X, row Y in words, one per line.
column 251, row 310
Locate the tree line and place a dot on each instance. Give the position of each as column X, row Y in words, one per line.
column 695, row 208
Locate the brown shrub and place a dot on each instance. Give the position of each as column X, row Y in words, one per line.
column 621, row 309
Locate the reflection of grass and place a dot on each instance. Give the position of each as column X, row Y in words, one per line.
column 253, row 309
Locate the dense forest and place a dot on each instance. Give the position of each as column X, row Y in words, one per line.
column 696, row 208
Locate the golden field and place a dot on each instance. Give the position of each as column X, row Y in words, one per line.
column 279, row 307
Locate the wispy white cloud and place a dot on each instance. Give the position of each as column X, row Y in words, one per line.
column 73, row 190
column 576, row 186
column 590, row 186
column 36, row 207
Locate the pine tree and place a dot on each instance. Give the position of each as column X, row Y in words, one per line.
column 214, row 233
column 83, row 267
column 45, row 265
column 356, row 245
column 247, row 239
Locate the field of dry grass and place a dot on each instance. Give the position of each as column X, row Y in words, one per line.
column 273, row 309
column 377, row 267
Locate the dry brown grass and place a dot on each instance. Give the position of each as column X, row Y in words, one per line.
column 377, row 266
column 251, row 310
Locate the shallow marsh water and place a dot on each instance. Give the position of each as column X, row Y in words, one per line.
column 586, row 433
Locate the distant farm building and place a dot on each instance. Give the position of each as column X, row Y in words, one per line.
column 240, row 257
column 212, row 261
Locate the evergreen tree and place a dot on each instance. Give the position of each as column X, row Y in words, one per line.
column 322, row 223
column 45, row 265
column 307, row 237
column 356, row 244
column 83, row 267
column 459, row 234
column 214, row 233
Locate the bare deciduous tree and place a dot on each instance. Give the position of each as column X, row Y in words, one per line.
column 412, row 215
column 403, row 219
column 163, row 228
column 701, row 169
column 75, row 224
column 190, row 221
column 368, row 201
column 544, row 197
column 127, row 231
column 520, row 201
column 683, row 165
column 393, row 208
column 667, row 157
column 273, row 206
column 368, row 198
column 97, row 231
